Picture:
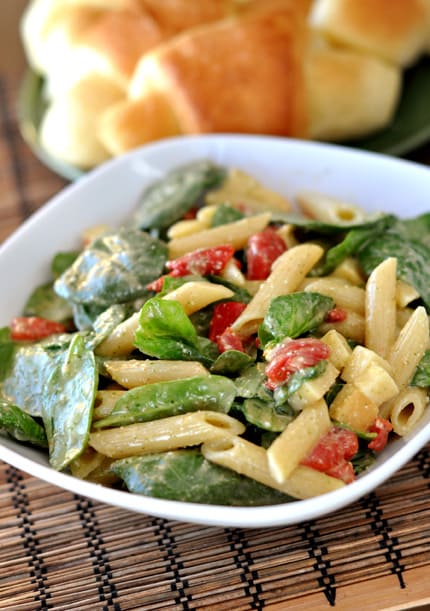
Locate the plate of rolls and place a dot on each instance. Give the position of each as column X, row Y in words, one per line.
column 108, row 76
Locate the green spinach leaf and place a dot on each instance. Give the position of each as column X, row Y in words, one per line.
column 114, row 269
column 167, row 200
column 164, row 399
column 67, row 404
column 185, row 475
column 293, row 315
column 21, row 426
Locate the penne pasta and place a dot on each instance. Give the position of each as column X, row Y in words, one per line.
column 133, row 373
column 251, row 460
column 297, row 440
column 381, row 307
column 236, row 234
column 409, row 347
column 344, row 294
column 194, row 296
column 287, row 274
column 166, row 434
column 406, row 409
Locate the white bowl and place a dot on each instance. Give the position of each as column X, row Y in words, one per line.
column 109, row 194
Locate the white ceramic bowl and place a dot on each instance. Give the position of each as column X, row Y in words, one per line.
column 109, row 193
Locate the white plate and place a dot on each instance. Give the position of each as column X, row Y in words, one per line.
column 109, row 193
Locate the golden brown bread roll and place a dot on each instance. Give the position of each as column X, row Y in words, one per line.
column 68, row 129
column 240, row 74
column 283, row 82
column 394, row 30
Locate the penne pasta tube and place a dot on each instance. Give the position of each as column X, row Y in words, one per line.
column 328, row 209
column 405, row 293
column 165, row 434
column 287, row 274
column 349, row 270
column 133, row 373
column 406, row 409
column 381, row 307
column 352, row 327
column 297, row 440
column 359, row 360
column 248, row 459
column 236, row 234
column 104, row 402
column 343, row 293
column 121, row 341
column 194, row 296
column 409, row 347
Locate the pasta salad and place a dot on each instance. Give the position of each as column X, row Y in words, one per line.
column 220, row 347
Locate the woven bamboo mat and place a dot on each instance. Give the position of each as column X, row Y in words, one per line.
column 62, row 551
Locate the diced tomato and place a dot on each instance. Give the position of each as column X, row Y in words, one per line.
column 382, row 428
column 336, row 315
column 333, row 452
column 156, row 285
column 344, row 470
column 190, row 215
column 291, row 356
column 262, row 250
column 224, row 316
column 202, row 261
column 32, row 328
column 229, row 340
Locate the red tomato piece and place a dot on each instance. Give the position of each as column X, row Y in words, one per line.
column 223, row 317
column 32, row 328
column 262, row 250
column 336, row 315
column 293, row 355
column 382, row 428
column 156, row 285
column 229, row 340
column 202, row 261
column 333, row 452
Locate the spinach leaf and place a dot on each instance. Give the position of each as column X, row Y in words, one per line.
column 67, row 404
column 225, row 214
column 167, row 200
column 115, row 268
column 7, row 351
column 62, row 261
column 164, row 399
column 25, row 375
column 45, row 302
column 412, row 260
column 422, row 374
column 264, row 415
column 293, row 315
column 416, row 229
column 19, row 425
column 185, row 475
column 250, row 383
column 166, row 332
column 231, row 362
column 352, row 242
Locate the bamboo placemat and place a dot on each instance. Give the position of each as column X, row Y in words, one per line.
column 62, row 551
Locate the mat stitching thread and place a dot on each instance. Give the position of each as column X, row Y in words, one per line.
column 29, row 537
column 99, row 557
column 10, row 138
column 423, row 460
column 318, row 552
column 166, row 543
column 243, row 561
column 382, row 530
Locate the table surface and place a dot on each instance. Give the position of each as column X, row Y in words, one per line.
column 62, row 551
